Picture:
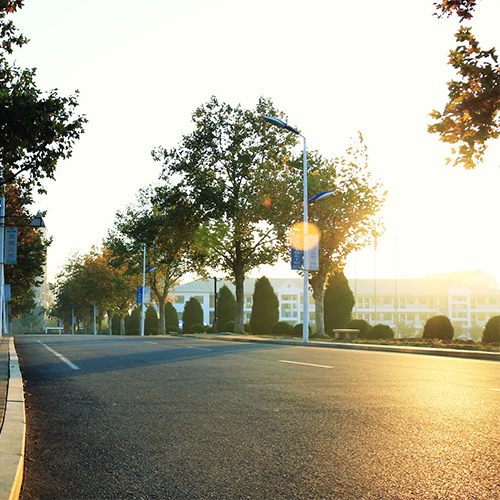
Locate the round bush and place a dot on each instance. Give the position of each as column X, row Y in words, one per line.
column 297, row 330
column 438, row 327
column 247, row 328
column 491, row 331
column 197, row 328
column 361, row 325
column 281, row 328
column 229, row 327
column 380, row 331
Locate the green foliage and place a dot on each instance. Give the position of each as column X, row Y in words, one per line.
column 193, row 314
column 151, row 321
column 438, row 327
column 226, row 306
column 197, row 328
column 171, row 318
column 380, row 331
column 361, row 325
column 115, row 324
column 339, row 302
column 265, row 308
column 133, row 322
column 492, row 330
column 247, row 328
column 229, row 327
column 470, row 117
column 281, row 329
column 38, row 129
column 298, row 330
column 228, row 170
column 31, row 252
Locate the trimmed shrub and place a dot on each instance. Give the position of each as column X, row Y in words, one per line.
column 265, row 308
column 247, row 328
column 151, row 321
column 339, row 302
column 226, row 307
column 192, row 315
column 380, row 331
column 491, row 331
column 438, row 327
column 297, row 330
column 229, row 327
column 133, row 322
column 361, row 325
column 197, row 328
column 281, row 329
column 171, row 318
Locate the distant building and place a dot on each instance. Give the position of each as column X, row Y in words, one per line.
column 467, row 302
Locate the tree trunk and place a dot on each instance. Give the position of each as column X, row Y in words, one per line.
column 318, row 286
column 162, row 320
column 110, row 322
column 239, row 279
column 122, row 325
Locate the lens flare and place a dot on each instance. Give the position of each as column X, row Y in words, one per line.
column 301, row 239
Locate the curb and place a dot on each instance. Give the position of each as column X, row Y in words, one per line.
column 13, row 432
column 429, row 351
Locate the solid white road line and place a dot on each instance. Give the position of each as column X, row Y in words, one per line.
column 305, row 364
column 60, row 356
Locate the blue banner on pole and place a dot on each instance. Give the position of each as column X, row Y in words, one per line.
column 139, row 294
column 297, row 258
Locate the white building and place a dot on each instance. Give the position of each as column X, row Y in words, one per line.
column 472, row 300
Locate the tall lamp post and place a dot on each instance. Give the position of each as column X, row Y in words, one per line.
column 144, row 272
column 305, row 322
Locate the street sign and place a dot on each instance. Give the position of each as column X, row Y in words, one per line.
column 6, row 293
column 312, row 255
column 139, row 295
column 10, row 256
column 147, row 295
column 296, row 259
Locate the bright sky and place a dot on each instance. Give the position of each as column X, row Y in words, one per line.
column 334, row 67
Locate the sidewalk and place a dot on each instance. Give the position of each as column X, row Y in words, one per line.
column 12, row 422
column 430, row 351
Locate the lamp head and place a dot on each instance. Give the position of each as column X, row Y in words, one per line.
column 281, row 124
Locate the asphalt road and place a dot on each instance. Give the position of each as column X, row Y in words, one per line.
column 181, row 418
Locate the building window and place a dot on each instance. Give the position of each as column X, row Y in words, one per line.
column 199, row 298
column 248, row 301
column 180, row 299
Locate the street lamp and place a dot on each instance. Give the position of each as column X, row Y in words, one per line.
column 281, row 124
column 144, row 272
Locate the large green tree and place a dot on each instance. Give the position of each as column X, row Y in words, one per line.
column 346, row 220
column 229, row 168
column 170, row 234
column 36, row 128
column 471, row 116
column 27, row 273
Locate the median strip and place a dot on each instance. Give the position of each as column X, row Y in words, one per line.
column 304, row 364
column 60, row 356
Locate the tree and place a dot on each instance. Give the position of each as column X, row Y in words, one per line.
column 170, row 234
column 471, row 116
column 28, row 272
column 37, row 129
column 491, row 331
column 265, row 307
column 133, row 321
column 226, row 307
column 229, row 169
column 171, row 318
column 339, row 302
column 346, row 220
column 438, row 327
column 192, row 315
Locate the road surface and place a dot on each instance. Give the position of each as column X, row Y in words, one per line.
column 184, row 418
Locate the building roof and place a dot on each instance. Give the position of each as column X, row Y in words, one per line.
column 408, row 287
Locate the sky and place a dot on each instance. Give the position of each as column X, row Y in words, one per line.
column 334, row 67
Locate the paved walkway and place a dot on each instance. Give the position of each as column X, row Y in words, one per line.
column 13, row 425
